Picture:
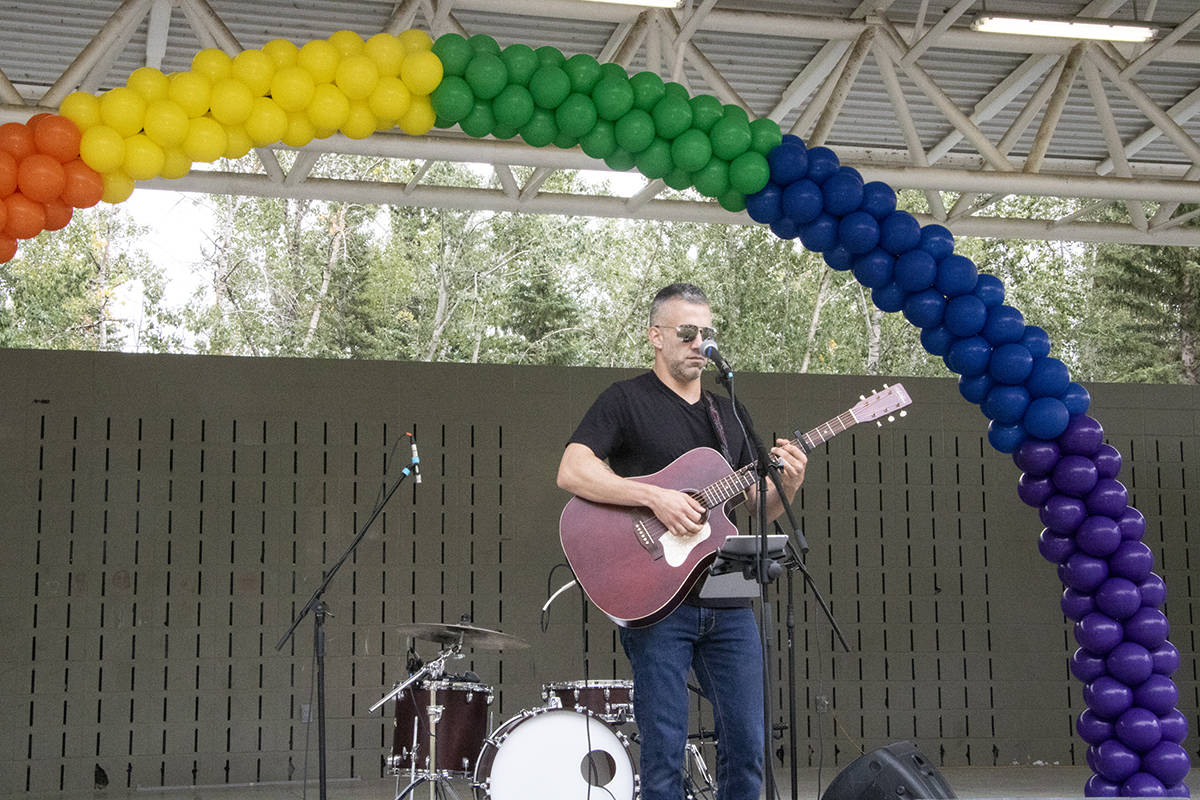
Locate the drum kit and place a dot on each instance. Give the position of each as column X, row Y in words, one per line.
column 571, row 747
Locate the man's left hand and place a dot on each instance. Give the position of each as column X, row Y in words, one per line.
column 792, row 462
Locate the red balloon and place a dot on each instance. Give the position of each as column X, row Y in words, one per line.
column 41, row 177
column 17, row 140
column 8, row 174
column 26, row 218
column 58, row 137
column 8, row 247
column 58, row 214
column 84, row 186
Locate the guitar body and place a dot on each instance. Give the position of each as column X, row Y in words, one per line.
column 626, row 562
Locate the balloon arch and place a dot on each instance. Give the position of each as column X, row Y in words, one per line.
column 98, row 147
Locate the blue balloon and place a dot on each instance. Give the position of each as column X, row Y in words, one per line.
column 1077, row 399
column 788, row 161
column 1046, row 417
column 785, row 228
column 822, row 163
column 899, row 232
column 956, row 275
column 879, row 199
column 925, row 309
column 990, row 290
column 842, row 191
column 874, row 269
column 974, row 388
column 936, row 340
column 970, row 357
column 915, row 270
column 937, row 240
column 859, row 232
column 801, row 201
column 765, row 205
column 965, row 315
column 839, row 258
column 1037, row 340
column 792, row 139
column 1011, row 363
column 1005, row 438
column 1006, row 404
column 1048, row 378
column 888, row 298
column 1005, row 324
column 820, row 234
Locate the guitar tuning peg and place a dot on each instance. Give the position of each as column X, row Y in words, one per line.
column 904, row 413
column 891, row 418
column 885, row 386
column 878, row 424
column 862, row 397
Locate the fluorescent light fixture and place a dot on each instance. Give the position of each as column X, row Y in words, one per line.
column 654, row 3
column 1099, row 30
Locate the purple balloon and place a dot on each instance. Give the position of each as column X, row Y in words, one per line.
column 1076, row 605
column 1132, row 560
column 1086, row 666
column 1108, row 497
column 1130, row 663
column 1166, row 761
column 1119, row 598
column 1108, row 461
column 1153, row 590
column 1083, row 436
column 1178, row 790
column 1174, row 726
column 1084, row 573
column 1099, row 786
column 1143, row 784
column 1062, row 514
column 1037, row 456
column 1148, row 627
column 1115, row 761
column 1165, row 658
column 1138, row 729
column 1098, row 633
column 1099, row 536
column 1093, row 728
column 1108, row 697
column 1132, row 524
column 1157, row 693
column 1034, row 491
column 1074, row 474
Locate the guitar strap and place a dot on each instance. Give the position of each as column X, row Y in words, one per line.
column 718, row 427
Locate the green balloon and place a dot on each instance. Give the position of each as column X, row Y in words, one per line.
column 440, row 122
column 480, row 121
column 513, row 106
column 635, row 131
column 613, row 97
column 540, row 130
column 611, row 69
column 749, row 172
column 678, row 90
column 678, row 179
column 672, row 116
column 706, row 110
column 452, row 100
column 521, row 62
column 502, row 131
column 713, row 178
column 648, row 89
column 576, row 115
column 454, row 52
column 620, row 160
column 565, row 141
column 549, row 86
column 730, row 137
column 482, row 43
column 550, row 57
column 584, row 71
column 486, row 75
column 736, row 111
column 765, row 136
column 691, row 150
column 655, row 160
column 601, row 142
column 732, row 200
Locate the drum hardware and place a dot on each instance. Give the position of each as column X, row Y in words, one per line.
column 609, row 700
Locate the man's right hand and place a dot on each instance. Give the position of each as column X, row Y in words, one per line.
column 680, row 512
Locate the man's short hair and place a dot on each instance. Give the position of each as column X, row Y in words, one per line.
column 685, row 291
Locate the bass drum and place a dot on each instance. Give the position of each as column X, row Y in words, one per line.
column 555, row 752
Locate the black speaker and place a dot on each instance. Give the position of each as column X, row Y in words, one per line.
column 895, row 772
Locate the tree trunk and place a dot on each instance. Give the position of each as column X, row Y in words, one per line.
column 337, row 242
column 1187, row 338
column 822, row 298
column 874, row 338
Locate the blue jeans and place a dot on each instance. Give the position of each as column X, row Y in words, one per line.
column 722, row 646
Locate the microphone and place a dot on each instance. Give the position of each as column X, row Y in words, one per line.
column 709, row 348
column 416, row 460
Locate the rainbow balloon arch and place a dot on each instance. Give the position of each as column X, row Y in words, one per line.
column 98, row 147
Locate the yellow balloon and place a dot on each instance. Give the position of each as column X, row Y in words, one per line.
column 175, row 165
column 360, row 123
column 267, row 122
column 329, row 107
column 166, row 123
column 255, row 69
column 232, row 101
column 292, row 87
column 390, row 100
column 300, row 130
column 348, row 43
column 117, row 187
column 323, row 133
column 123, row 110
column 192, row 91
column 419, row 118
column 356, row 76
column 206, row 140
column 320, row 58
column 213, row 64
column 239, row 143
column 414, row 41
column 143, row 158
column 282, row 52
column 421, row 71
column 387, row 53
column 102, row 149
column 149, row 83
column 81, row 108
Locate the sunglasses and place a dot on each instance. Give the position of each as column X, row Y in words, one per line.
column 687, row 333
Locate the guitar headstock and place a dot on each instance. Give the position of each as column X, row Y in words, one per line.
column 882, row 403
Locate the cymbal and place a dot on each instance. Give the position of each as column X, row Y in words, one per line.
column 447, row 634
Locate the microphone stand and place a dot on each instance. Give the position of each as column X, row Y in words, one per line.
column 316, row 604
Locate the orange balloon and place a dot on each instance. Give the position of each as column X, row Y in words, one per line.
column 58, row 215
column 3, row 216
column 8, row 248
column 33, row 121
column 26, row 218
column 84, row 186
column 17, row 140
column 57, row 136
column 40, row 177
column 8, row 174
